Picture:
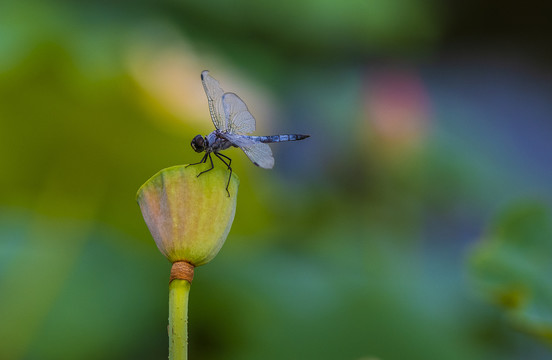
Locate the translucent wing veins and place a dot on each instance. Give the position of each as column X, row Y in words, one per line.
column 238, row 118
column 260, row 154
column 214, row 97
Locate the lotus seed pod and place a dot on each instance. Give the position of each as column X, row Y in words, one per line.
column 189, row 216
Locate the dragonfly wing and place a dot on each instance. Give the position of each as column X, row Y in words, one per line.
column 238, row 140
column 214, row 96
column 260, row 154
column 238, row 117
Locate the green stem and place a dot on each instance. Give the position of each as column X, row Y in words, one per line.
column 178, row 319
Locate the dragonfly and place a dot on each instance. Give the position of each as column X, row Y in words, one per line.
column 233, row 122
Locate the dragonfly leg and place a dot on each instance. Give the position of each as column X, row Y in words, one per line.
column 212, row 166
column 228, row 165
column 224, row 156
column 204, row 159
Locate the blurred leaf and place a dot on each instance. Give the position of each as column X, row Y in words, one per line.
column 512, row 266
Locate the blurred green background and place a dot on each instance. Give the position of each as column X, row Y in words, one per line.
column 414, row 223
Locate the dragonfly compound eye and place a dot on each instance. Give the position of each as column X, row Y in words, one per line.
column 198, row 144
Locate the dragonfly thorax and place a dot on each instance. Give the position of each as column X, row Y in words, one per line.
column 199, row 143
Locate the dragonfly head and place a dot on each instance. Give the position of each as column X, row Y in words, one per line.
column 198, row 143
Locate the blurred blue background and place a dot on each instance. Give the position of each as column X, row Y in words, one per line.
column 413, row 224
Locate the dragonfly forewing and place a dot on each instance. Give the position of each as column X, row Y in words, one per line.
column 214, row 97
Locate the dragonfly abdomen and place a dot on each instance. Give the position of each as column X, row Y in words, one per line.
column 279, row 138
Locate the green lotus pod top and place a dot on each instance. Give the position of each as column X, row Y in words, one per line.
column 188, row 216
